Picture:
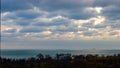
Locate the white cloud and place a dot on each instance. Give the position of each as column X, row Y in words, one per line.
column 58, row 22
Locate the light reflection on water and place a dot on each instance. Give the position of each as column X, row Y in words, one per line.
column 32, row 53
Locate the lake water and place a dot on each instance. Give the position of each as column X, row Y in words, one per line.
column 32, row 53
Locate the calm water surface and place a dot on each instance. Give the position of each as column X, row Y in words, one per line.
column 32, row 53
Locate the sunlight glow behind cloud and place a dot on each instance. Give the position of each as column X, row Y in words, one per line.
column 60, row 20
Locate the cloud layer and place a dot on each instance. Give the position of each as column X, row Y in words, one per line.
column 60, row 20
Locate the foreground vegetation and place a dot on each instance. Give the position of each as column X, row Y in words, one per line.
column 63, row 61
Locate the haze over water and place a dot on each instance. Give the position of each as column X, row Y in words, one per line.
column 27, row 53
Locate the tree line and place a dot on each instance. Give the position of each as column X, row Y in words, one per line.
column 63, row 61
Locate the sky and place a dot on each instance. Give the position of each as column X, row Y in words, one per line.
column 60, row 24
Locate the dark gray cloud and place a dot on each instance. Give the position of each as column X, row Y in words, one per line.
column 83, row 29
column 27, row 14
column 31, row 29
column 114, row 24
column 11, row 35
column 67, row 29
column 73, row 9
column 49, row 5
column 111, row 12
column 23, row 22
column 90, row 33
column 100, row 26
column 10, row 31
column 88, row 25
column 55, row 22
column 53, row 5
column 13, row 5
column 105, row 3
column 78, row 14
column 9, row 16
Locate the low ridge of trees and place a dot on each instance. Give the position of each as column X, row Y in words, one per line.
column 63, row 61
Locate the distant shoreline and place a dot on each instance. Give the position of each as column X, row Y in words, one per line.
column 26, row 53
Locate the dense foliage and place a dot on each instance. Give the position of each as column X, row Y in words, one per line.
column 63, row 61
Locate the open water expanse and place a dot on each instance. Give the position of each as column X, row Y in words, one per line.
column 27, row 53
